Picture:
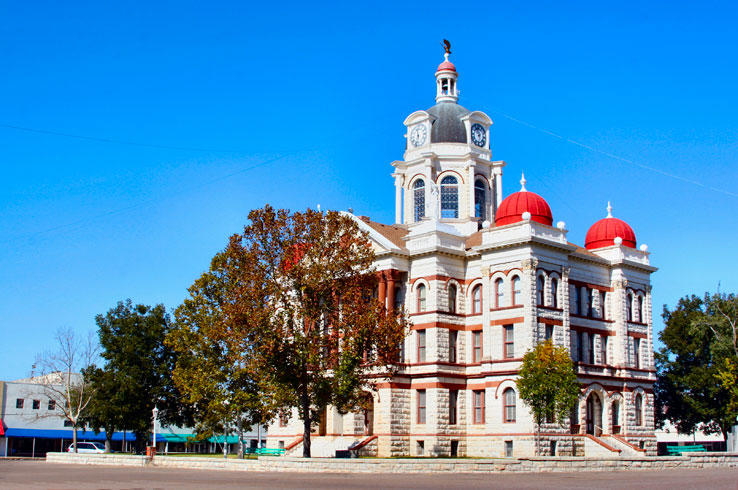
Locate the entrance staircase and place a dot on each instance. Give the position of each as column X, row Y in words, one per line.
column 610, row 446
column 326, row 446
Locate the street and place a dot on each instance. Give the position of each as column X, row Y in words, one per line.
column 39, row 475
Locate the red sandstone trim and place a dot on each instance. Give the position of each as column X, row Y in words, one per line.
column 507, row 321
column 363, row 443
column 598, row 287
column 506, row 308
column 580, row 328
column 295, row 443
column 638, row 335
column 549, row 321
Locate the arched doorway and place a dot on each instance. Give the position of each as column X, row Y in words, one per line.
column 594, row 415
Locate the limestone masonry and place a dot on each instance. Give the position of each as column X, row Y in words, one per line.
column 483, row 280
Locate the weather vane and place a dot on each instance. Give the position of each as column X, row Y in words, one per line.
column 447, row 46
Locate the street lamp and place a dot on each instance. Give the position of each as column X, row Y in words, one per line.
column 225, row 429
column 155, row 411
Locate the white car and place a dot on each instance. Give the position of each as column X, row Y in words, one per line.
column 87, row 447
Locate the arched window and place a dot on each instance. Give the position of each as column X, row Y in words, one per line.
column 615, row 412
column 421, row 297
column 516, row 290
column 499, row 293
column 451, row 298
column 639, row 409
column 477, row 299
column 509, row 397
column 449, row 197
column 629, row 306
column 555, row 292
column 540, row 285
column 419, row 199
column 480, row 200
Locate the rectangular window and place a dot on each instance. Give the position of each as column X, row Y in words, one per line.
column 603, row 349
column 637, row 353
column 36, row 404
column 603, row 305
column 477, row 351
column 454, row 449
column 283, row 418
column 453, row 402
column 453, row 338
column 575, row 301
column 508, row 449
column 478, row 406
column 421, row 406
column 68, row 423
column 421, row 345
column 549, row 332
column 52, row 405
column 420, row 448
column 19, row 403
column 509, row 341
column 580, row 346
column 590, row 300
column 591, row 348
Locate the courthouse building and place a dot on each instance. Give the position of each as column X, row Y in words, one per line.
column 483, row 280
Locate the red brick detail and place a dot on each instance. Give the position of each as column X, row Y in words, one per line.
column 549, row 321
column 507, row 321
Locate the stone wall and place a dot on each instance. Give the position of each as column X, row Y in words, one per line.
column 418, row 465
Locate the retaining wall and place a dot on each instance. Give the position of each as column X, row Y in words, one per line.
column 419, row 465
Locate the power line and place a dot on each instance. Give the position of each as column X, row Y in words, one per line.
column 616, row 157
column 116, row 141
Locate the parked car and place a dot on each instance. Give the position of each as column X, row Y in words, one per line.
column 87, row 447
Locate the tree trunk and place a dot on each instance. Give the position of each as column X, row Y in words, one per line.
column 74, row 436
column 305, row 401
column 240, row 438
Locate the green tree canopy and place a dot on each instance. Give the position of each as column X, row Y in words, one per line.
column 210, row 369
column 298, row 315
column 695, row 387
column 138, row 370
column 547, row 383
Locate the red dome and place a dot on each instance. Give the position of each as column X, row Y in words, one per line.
column 603, row 233
column 446, row 66
column 513, row 206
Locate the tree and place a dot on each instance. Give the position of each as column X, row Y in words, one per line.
column 300, row 315
column 548, row 384
column 696, row 367
column 209, row 371
column 138, row 369
column 63, row 376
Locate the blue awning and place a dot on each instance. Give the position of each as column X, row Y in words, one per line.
column 82, row 435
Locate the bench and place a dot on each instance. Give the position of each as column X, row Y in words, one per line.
column 264, row 451
column 678, row 450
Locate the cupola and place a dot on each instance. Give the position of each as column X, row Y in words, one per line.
column 512, row 208
column 606, row 232
column 446, row 88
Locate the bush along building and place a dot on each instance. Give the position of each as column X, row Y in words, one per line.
column 483, row 280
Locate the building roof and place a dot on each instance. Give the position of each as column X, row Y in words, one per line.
column 393, row 233
column 448, row 126
column 603, row 233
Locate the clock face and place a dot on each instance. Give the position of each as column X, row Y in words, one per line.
column 418, row 135
column 478, row 135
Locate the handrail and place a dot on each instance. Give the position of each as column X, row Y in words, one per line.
column 603, row 443
column 363, row 443
column 298, row 441
column 621, row 439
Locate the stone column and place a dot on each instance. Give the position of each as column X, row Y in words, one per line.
column 648, row 362
column 382, row 294
column 619, row 315
column 398, row 197
column 486, row 329
column 530, row 311
column 391, row 275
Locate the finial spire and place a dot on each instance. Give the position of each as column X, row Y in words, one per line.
column 522, row 183
column 609, row 210
column 447, row 47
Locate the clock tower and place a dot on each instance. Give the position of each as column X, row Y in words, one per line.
column 447, row 178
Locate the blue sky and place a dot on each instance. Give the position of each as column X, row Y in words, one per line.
column 228, row 106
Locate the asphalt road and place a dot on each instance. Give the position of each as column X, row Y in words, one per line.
column 39, row 475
